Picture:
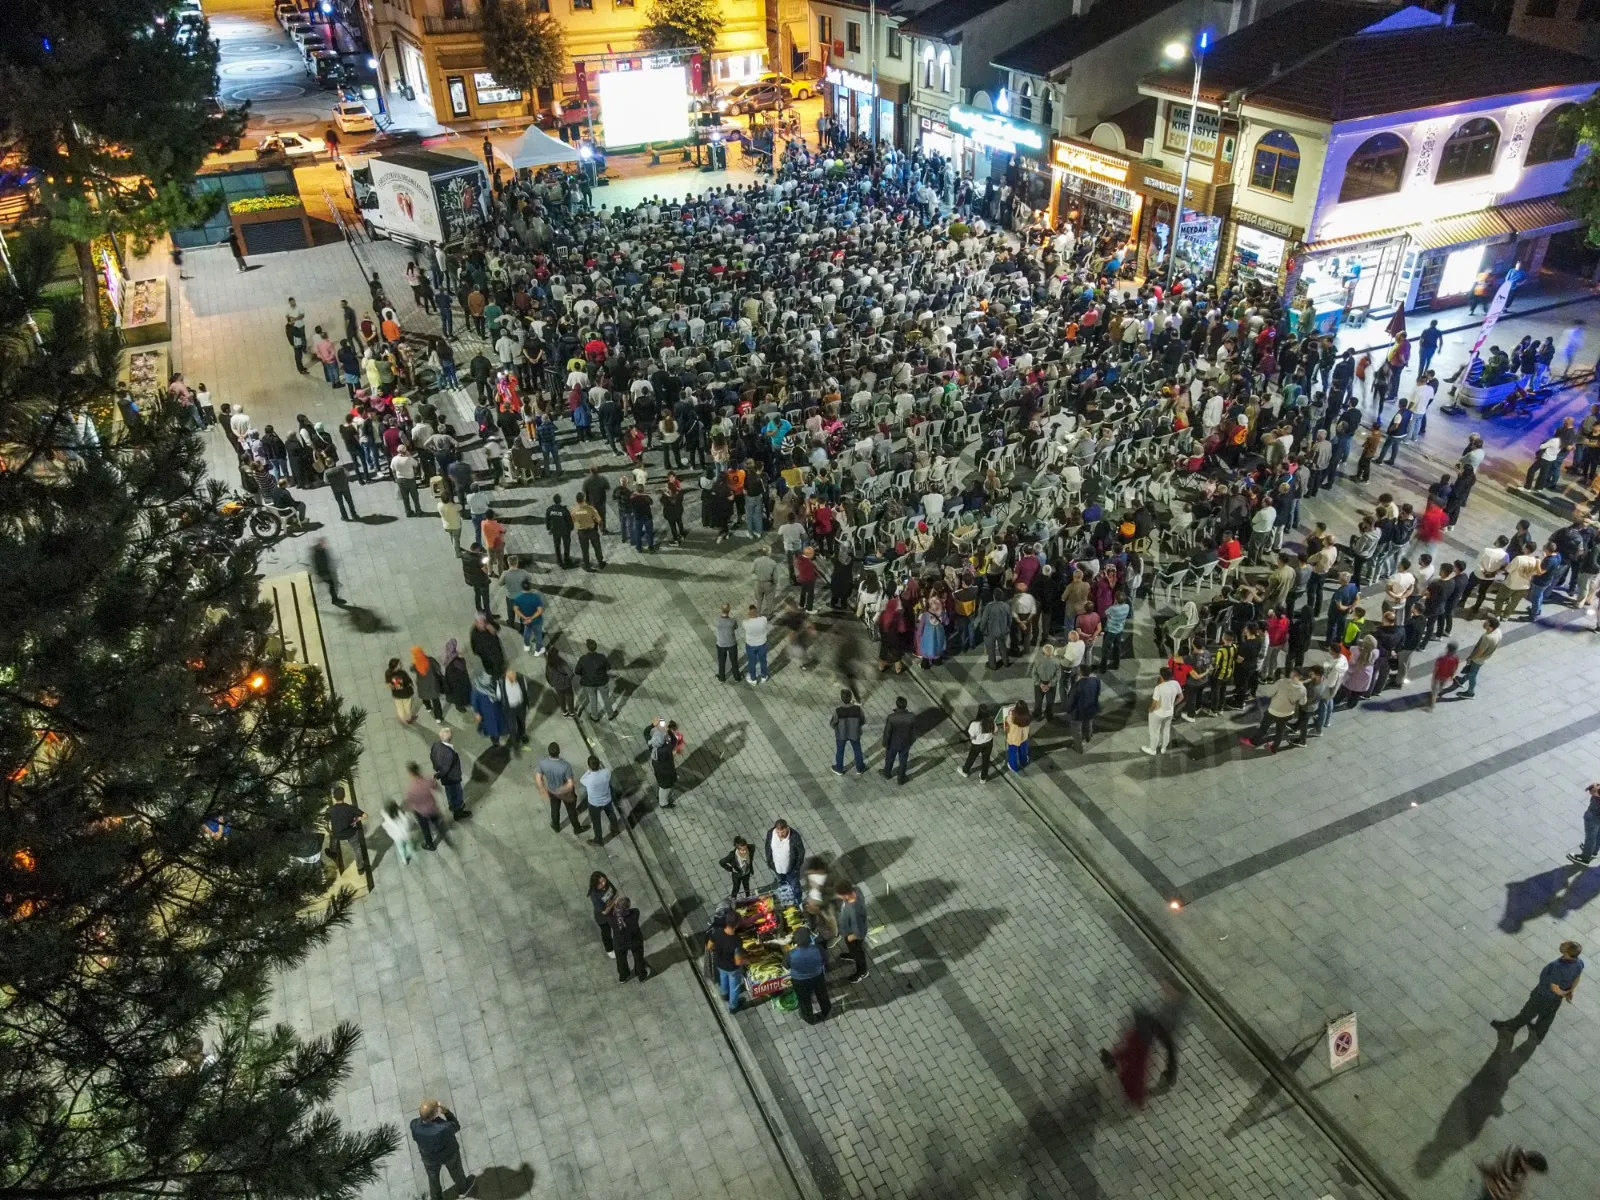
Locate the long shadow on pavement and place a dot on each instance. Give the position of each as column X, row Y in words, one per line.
column 1553, row 893
column 1473, row 1105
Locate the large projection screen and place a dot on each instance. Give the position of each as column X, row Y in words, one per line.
column 644, row 106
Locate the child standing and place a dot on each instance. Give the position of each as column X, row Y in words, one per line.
column 1444, row 670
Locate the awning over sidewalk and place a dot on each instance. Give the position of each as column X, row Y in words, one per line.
column 1357, row 239
column 1547, row 214
column 1465, row 230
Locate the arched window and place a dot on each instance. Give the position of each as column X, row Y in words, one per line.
column 1277, row 164
column 927, row 67
column 944, row 70
column 1376, row 168
column 1469, row 151
column 1047, row 103
column 1024, row 103
column 1553, row 141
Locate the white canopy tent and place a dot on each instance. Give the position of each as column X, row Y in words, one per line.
column 536, row 148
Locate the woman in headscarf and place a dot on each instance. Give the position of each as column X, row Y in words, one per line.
column 1358, row 680
column 930, row 633
column 486, row 709
column 457, row 679
column 430, row 682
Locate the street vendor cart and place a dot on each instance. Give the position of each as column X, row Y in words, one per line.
column 767, row 922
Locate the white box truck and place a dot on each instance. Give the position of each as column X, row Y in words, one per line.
column 418, row 197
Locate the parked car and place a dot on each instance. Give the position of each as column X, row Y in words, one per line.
column 351, row 116
column 296, row 23
column 290, row 144
column 798, row 89
column 755, row 97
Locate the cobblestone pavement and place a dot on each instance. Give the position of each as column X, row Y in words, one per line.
column 966, row 1065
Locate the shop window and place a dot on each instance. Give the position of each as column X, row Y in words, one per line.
column 1025, row 101
column 1376, row 168
column 825, row 31
column 1277, row 164
column 1553, row 139
column 852, row 36
column 1469, row 151
column 892, row 43
column 583, row 5
column 944, row 71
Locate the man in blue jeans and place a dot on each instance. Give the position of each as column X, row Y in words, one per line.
column 755, row 646
column 847, row 722
column 728, row 957
column 1591, row 829
column 1397, row 433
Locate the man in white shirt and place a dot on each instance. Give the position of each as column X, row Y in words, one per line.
column 1543, row 472
column 1492, row 561
column 240, row 424
column 1514, row 587
column 1164, row 702
column 1400, row 586
column 754, row 628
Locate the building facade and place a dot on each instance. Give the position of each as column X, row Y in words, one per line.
column 841, row 33
column 435, row 48
column 1402, row 158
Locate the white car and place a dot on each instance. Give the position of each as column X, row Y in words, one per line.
column 352, row 116
column 290, row 145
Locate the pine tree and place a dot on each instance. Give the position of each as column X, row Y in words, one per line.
column 113, row 105
column 140, row 701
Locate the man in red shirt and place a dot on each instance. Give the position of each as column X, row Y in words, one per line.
column 805, row 574
column 1444, row 670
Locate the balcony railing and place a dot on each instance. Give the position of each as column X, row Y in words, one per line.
column 470, row 23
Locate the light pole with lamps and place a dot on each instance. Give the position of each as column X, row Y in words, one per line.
column 1175, row 52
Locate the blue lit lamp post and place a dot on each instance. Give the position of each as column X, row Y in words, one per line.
column 1175, row 52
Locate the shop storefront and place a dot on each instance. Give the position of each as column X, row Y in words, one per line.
column 1261, row 248
column 935, row 137
column 1354, row 275
column 849, row 102
column 1198, row 233
column 989, row 144
column 1090, row 191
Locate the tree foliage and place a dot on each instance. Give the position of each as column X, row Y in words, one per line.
column 1584, row 190
column 682, row 24
column 139, row 699
column 525, row 48
column 114, row 109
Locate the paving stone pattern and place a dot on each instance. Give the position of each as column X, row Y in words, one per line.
column 966, row 1065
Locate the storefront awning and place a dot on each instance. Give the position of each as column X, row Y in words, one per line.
column 1547, row 214
column 1465, row 230
column 1358, row 239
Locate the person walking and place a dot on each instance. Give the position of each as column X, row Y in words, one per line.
column 808, row 973
column 559, row 679
column 1558, row 982
column 785, row 850
column 338, row 481
column 740, row 864
column 420, row 801
column 446, row 762
column 402, row 692
column 514, row 693
column 852, row 921
column 553, row 776
column 1164, row 701
column 434, row 1130
column 1585, row 853
column 474, row 572
column 848, row 722
column 980, row 745
column 755, row 630
column 899, row 731
column 1082, row 705
column 594, row 680
column 1506, row 1177
column 727, row 956
column 627, row 941
column 1483, row 649
column 596, row 783
column 403, row 829
column 664, row 743
column 323, row 570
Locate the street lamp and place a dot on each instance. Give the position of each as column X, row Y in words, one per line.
column 1175, row 52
